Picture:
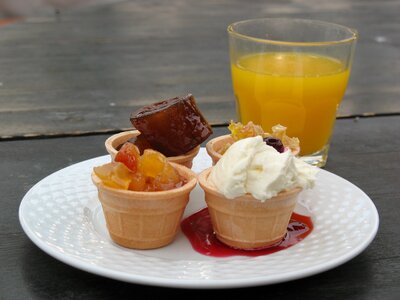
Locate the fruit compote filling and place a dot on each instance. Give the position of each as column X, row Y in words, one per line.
column 277, row 139
column 139, row 141
column 147, row 172
column 172, row 127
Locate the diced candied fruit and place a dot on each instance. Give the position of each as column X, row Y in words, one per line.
column 158, row 184
column 169, row 174
column 152, row 163
column 152, row 171
column 104, row 171
column 240, row 131
column 121, row 175
column 172, row 127
column 279, row 131
column 138, row 182
column 159, row 172
column 129, row 155
column 114, row 174
column 139, row 141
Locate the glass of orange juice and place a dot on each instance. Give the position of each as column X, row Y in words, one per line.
column 292, row 72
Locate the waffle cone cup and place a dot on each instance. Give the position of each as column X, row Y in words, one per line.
column 144, row 220
column 118, row 139
column 215, row 145
column 245, row 222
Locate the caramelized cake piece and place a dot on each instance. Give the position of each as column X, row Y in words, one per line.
column 172, row 127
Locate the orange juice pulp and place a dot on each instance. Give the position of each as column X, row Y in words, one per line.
column 301, row 91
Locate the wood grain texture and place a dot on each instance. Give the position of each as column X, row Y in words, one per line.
column 87, row 69
column 364, row 151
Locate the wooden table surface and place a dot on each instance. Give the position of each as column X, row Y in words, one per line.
column 67, row 81
column 366, row 152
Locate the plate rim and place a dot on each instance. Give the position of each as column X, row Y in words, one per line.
column 197, row 283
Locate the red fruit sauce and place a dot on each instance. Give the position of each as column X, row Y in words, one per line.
column 198, row 229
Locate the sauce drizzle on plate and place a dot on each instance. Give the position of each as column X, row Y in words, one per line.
column 198, row 229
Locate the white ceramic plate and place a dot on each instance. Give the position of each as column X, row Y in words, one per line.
column 62, row 215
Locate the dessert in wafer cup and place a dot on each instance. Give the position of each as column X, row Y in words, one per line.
column 174, row 127
column 114, row 142
column 252, row 191
column 245, row 222
column 143, row 197
column 216, row 147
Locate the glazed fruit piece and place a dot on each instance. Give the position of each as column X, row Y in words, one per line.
column 115, row 175
column 115, row 142
column 172, row 127
column 240, row 131
column 276, row 143
column 130, row 171
column 277, row 139
column 129, row 155
column 140, row 142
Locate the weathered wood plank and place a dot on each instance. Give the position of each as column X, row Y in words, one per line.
column 85, row 69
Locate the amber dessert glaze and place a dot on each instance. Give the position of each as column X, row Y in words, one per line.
column 173, row 126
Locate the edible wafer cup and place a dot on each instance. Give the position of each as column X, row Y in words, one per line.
column 216, row 145
column 245, row 222
column 145, row 220
column 114, row 141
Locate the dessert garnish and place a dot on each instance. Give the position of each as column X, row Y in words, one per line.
column 251, row 193
column 173, row 126
column 147, row 172
column 276, row 143
column 277, row 139
column 250, row 166
column 139, row 141
column 143, row 197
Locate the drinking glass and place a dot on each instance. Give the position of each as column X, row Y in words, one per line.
column 292, row 72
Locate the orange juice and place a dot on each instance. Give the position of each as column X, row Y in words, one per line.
column 301, row 91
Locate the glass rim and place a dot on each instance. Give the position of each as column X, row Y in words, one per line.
column 352, row 31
